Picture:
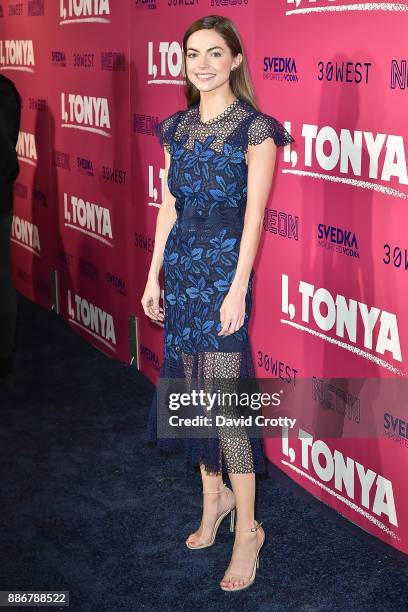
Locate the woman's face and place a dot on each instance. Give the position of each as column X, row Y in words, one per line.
column 209, row 60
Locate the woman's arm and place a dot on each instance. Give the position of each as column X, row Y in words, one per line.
column 166, row 218
column 261, row 164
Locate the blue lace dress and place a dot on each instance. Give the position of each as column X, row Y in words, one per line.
column 208, row 178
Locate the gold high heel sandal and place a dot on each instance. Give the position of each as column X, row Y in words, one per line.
column 250, row 579
column 217, row 522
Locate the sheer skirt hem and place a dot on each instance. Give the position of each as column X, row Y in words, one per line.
column 220, row 454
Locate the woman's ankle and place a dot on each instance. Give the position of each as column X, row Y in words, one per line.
column 246, row 525
column 213, row 488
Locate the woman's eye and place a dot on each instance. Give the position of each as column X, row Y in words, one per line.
column 216, row 53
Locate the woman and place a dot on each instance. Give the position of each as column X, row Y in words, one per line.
column 219, row 161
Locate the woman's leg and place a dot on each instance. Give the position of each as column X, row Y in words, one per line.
column 214, row 504
column 220, row 371
column 246, row 542
column 214, row 501
column 238, row 456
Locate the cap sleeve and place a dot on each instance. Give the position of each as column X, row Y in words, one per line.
column 166, row 128
column 265, row 126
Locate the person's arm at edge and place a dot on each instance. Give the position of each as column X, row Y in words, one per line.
column 9, row 167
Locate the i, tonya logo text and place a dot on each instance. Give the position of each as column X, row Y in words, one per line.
column 353, row 325
column 17, row 55
column 367, row 156
column 88, row 218
column 92, row 319
column 153, row 191
column 80, row 11
column 88, row 113
column 26, row 148
column 168, row 56
column 26, row 234
column 349, row 481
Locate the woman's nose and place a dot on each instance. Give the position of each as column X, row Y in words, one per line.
column 203, row 64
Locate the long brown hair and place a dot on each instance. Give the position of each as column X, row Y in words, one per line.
column 240, row 80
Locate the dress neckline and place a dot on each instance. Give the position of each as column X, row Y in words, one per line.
column 217, row 118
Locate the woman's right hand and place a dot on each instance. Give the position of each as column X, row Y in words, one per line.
column 150, row 301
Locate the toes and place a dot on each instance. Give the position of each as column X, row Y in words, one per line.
column 194, row 540
column 232, row 583
column 229, row 582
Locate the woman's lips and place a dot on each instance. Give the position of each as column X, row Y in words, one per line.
column 205, row 77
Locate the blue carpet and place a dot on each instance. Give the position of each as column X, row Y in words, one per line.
column 88, row 507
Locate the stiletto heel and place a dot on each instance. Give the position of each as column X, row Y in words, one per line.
column 250, row 579
column 218, row 521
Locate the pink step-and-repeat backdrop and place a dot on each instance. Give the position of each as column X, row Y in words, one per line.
column 330, row 299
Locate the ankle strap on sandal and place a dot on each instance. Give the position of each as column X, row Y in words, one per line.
column 220, row 491
column 249, row 530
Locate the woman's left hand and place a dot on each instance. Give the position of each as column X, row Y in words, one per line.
column 232, row 312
